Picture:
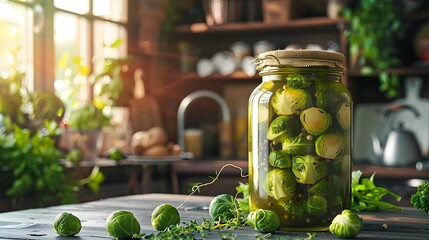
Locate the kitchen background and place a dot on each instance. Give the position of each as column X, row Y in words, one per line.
column 173, row 71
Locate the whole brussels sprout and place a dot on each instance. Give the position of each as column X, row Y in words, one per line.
column 288, row 101
column 280, row 184
column 165, row 216
column 122, row 224
column 346, row 225
column 317, row 205
column 308, row 169
column 298, row 81
column 279, row 159
column 223, row 207
column 315, row 120
column 330, row 145
column 67, row 224
column 283, row 126
column 297, row 145
column 343, row 116
column 328, row 186
column 265, row 221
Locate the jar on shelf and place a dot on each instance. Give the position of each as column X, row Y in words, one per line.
column 300, row 138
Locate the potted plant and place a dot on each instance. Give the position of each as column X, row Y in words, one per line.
column 375, row 27
column 30, row 160
column 89, row 113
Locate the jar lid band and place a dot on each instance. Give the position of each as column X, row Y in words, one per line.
column 300, row 58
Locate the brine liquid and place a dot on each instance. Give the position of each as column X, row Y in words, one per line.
column 260, row 115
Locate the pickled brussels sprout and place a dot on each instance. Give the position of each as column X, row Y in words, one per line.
column 336, row 203
column 343, row 116
column 223, row 207
column 315, row 120
column 297, row 145
column 164, row 216
column 280, row 184
column 279, row 159
column 67, row 224
column 330, row 145
column 288, row 101
column 308, row 169
column 298, row 81
column 281, row 127
column 341, row 164
column 346, row 225
column 265, row 221
column 329, row 94
column 328, row 186
column 296, row 209
column 317, row 205
column 122, row 224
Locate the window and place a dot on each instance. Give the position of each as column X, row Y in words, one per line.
column 49, row 37
column 16, row 43
column 82, row 34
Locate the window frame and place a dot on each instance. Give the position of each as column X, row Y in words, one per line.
column 43, row 41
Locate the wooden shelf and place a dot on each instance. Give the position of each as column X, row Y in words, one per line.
column 401, row 71
column 303, row 23
column 236, row 77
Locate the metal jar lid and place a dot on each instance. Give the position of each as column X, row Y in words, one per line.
column 300, row 58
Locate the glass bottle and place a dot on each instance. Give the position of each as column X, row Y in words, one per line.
column 300, row 138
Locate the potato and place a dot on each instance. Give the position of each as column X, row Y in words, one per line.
column 157, row 150
column 137, row 138
column 154, row 136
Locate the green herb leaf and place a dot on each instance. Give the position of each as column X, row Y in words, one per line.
column 366, row 196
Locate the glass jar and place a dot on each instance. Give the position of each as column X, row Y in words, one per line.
column 300, row 138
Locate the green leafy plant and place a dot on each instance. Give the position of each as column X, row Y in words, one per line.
column 420, row 199
column 366, row 196
column 104, row 86
column 372, row 39
column 33, row 160
column 28, row 151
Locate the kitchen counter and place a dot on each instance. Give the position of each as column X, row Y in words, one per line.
column 37, row 223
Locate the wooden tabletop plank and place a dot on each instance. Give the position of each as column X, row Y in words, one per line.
column 37, row 223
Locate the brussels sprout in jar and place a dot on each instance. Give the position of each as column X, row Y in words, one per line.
column 300, row 138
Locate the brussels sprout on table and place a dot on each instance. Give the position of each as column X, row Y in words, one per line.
column 283, row 126
column 265, row 221
column 164, row 216
column 122, row 224
column 280, row 184
column 315, row 120
column 330, row 145
column 288, row 101
column 308, row 169
column 223, row 207
column 346, row 225
column 67, row 224
column 279, row 159
column 317, row 205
